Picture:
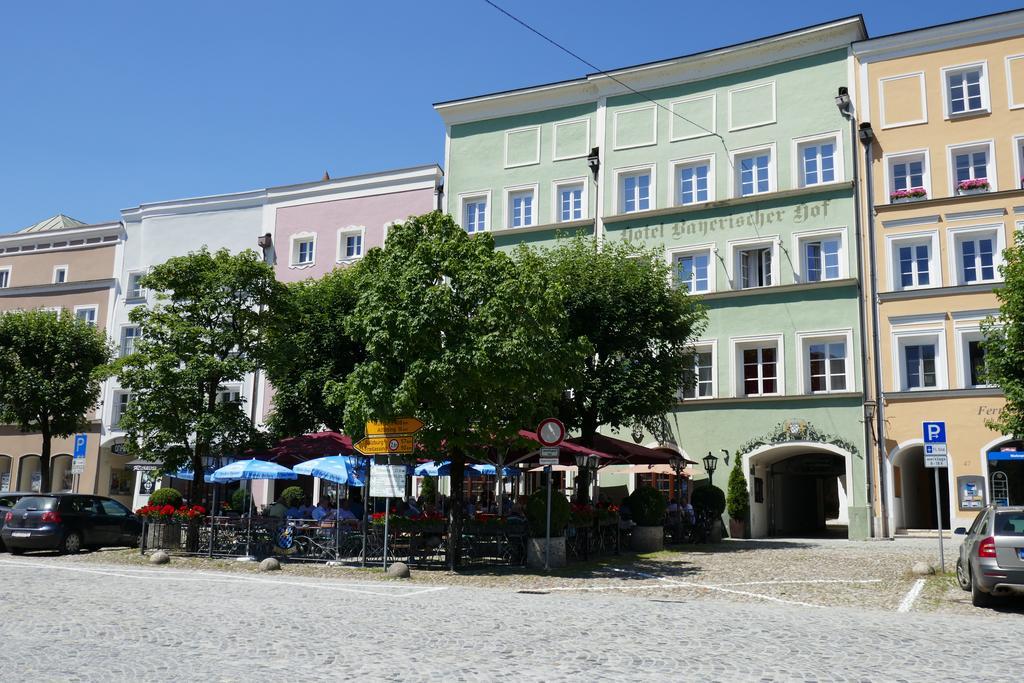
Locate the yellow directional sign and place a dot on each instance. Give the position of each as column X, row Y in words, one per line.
column 403, row 425
column 384, row 445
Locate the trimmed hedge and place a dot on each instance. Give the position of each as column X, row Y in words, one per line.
column 240, row 501
column 292, row 496
column 536, row 513
column 647, row 506
column 739, row 498
column 709, row 498
column 166, row 496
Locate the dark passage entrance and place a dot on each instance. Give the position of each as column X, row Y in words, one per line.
column 804, row 495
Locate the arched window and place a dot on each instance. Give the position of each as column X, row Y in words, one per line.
column 5, row 472
column 61, row 479
column 29, row 477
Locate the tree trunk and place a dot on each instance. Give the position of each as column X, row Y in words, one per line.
column 457, row 508
column 44, row 458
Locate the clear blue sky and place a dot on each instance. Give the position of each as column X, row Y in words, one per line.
column 109, row 104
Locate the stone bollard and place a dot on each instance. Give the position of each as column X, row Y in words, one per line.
column 398, row 570
column 922, row 569
column 159, row 557
column 271, row 564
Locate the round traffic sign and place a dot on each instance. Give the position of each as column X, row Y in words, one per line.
column 551, row 431
column 393, row 445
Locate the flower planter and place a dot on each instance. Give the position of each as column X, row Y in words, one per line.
column 647, row 539
column 163, row 536
column 906, row 200
column 536, row 549
column 980, row 190
column 737, row 528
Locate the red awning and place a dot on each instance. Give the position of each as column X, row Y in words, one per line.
column 567, row 452
column 296, row 449
column 631, row 453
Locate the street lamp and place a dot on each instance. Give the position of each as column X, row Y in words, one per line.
column 582, row 460
column 843, row 100
column 594, row 161
column 710, row 465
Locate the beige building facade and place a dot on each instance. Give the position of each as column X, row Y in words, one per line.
column 60, row 263
column 941, row 116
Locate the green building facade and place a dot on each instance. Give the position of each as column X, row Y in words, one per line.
column 737, row 163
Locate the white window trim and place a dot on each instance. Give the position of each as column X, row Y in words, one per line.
column 810, row 235
column 732, row 265
column 754, row 86
column 803, row 370
column 923, row 95
column 556, row 204
column 961, row 146
column 127, row 284
column 536, row 159
column 120, row 337
column 1018, row 168
column 953, row 253
column 673, row 186
column 654, row 127
column 67, row 272
column 385, row 231
column 796, row 167
column 508, row 192
column 908, row 337
column 465, row 197
column 233, row 388
column 696, row 98
column 960, row 332
column 629, row 170
column 986, row 100
column 86, row 307
column 8, row 270
column 293, row 251
column 702, row 345
column 887, row 162
column 734, row 155
column 710, row 247
column 347, row 232
column 1010, row 95
column 934, row 269
column 554, row 140
column 115, row 403
column 738, row 344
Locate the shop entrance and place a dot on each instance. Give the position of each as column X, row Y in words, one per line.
column 1006, row 475
column 913, row 487
column 799, row 491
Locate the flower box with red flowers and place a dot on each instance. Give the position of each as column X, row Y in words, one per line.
column 912, row 195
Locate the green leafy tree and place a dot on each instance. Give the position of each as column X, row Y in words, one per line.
column 206, row 330
column 739, row 498
column 1004, row 342
column 639, row 331
column 308, row 347
column 459, row 335
column 51, row 367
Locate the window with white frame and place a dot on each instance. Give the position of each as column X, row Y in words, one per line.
column 134, row 289
column 919, row 366
column 121, row 401
column 826, row 364
column 693, row 182
column 821, row 258
column 303, row 250
column 350, row 244
column 635, row 191
column 966, row 90
column 818, row 161
column 972, row 358
column 754, row 173
column 977, row 255
column 60, row 275
column 919, row 359
column 521, row 207
column 129, row 334
column 229, row 394
column 972, row 169
column 754, row 266
column 5, row 277
column 702, row 383
column 914, row 261
column 760, row 369
column 86, row 314
column 908, row 176
column 693, row 270
column 474, row 214
column 569, row 201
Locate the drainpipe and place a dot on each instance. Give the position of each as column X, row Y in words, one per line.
column 265, row 243
column 867, row 137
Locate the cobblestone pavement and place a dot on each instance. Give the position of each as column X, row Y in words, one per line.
column 70, row 620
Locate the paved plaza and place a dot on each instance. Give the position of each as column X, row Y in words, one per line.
column 67, row 619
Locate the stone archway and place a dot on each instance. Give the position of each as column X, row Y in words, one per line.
column 911, row 495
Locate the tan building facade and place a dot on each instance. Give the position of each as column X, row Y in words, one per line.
column 941, row 113
column 60, row 263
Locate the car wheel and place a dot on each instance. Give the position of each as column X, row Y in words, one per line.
column 979, row 598
column 962, row 577
column 71, row 544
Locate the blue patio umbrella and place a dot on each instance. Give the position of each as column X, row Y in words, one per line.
column 490, row 470
column 441, row 469
column 251, row 469
column 187, row 474
column 340, row 469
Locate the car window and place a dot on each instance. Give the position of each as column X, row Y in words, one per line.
column 1009, row 524
column 36, row 503
column 79, row 505
column 113, row 508
column 8, row 501
column 978, row 521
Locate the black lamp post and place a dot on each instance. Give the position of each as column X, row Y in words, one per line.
column 710, row 465
column 677, row 464
column 582, row 461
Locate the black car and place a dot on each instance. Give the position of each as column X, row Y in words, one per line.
column 68, row 522
column 8, row 501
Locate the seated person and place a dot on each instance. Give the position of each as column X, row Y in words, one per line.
column 277, row 510
column 321, row 509
column 412, row 508
column 345, row 512
column 293, row 512
column 305, row 510
column 355, row 504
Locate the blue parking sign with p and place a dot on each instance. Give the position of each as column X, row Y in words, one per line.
column 80, row 443
column 935, row 432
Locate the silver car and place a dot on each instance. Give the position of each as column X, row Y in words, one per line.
column 991, row 558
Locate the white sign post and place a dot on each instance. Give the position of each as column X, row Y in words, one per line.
column 935, row 457
column 550, row 432
column 387, row 481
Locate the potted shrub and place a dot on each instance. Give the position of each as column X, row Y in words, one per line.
column 240, row 501
column 912, row 195
column 647, row 507
column 292, row 497
column 712, row 500
column 973, row 186
column 536, row 517
column 163, row 523
column 739, row 501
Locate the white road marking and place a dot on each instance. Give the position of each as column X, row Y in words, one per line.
column 210, row 577
column 911, row 596
column 798, row 581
